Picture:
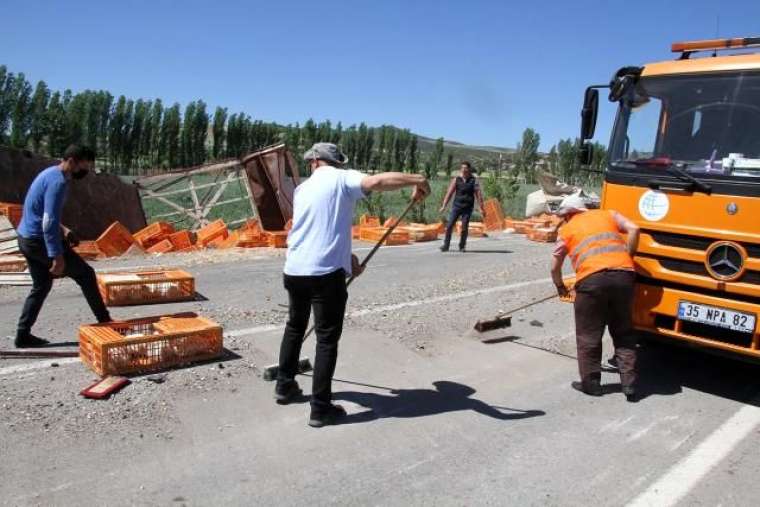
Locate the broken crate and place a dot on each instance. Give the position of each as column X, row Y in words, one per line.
column 146, row 287
column 149, row 344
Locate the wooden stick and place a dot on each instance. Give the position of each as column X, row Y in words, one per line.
column 371, row 254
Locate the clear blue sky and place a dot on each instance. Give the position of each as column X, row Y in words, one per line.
column 472, row 71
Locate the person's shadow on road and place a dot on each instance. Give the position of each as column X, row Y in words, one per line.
column 446, row 397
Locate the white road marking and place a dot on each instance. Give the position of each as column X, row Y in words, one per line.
column 684, row 475
column 276, row 327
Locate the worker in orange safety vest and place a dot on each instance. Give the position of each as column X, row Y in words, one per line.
column 604, row 274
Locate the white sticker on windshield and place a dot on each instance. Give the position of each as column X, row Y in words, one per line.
column 654, row 205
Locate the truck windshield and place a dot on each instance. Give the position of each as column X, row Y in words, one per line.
column 704, row 124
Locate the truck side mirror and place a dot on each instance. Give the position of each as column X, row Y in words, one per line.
column 585, row 153
column 589, row 113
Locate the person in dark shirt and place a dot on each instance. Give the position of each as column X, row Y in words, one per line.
column 465, row 189
column 47, row 244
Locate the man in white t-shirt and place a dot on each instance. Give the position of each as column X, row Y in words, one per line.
column 318, row 261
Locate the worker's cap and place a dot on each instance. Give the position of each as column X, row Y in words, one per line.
column 573, row 203
column 327, row 152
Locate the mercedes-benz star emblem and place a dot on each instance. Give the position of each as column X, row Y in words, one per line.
column 725, row 260
column 732, row 208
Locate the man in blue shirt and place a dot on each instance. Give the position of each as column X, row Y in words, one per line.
column 318, row 261
column 46, row 243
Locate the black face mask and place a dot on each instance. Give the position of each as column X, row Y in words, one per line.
column 80, row 174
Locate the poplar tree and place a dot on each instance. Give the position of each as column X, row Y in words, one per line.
column 39, row 117
column 218, row 131
column 20, row 119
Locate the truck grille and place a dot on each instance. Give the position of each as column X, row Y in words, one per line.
column 697, row 268
column 696, row 242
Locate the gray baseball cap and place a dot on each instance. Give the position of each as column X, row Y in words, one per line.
column 327, row 152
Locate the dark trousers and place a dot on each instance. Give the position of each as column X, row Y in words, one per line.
column 605, row 299
column 457, row 213
column 327, row 296
column 42, row 281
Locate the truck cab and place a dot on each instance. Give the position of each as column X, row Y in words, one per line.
column 684, row 164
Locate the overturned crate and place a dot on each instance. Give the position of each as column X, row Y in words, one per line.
column 149, row 344
column 115, row 240
column 375, row 234
column 154, row 233
column 422, row 232
column 146, row 287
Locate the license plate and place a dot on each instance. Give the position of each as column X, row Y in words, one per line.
column 715, row 316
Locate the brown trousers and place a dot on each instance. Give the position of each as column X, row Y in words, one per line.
column 605, row 299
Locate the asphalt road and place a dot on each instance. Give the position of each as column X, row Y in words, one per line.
column 436, row 417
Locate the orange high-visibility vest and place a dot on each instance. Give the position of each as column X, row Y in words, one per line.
column 594, row 243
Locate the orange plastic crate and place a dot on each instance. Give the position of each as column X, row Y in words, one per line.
column 277, row 239
column 154, row 233
column 355, row 230
column 522, row 226
column 252, row 225
column 181, row 240
column 397, row 237
column 88, row 250
column 163, row 246
column 369, row 221
column 214, row 230
column 494, row 217
column 228, row 242
column 12, row 211
column 475, row 230
column 115, row 240
column 422, row 232
column 146, row 287
column 12, row 263
column 543, row 234
column 251, row 239
column 149, row 344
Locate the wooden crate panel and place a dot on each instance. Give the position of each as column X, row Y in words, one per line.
column 115, row 240
column 149, row 344
column 146, row 287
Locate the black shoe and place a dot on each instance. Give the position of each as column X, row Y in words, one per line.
column 630, row 393
column 462, row 249
column 590, row 388
column 285, row 395
column 323, row 417
column 612, row 362
column 444, row 248
column 29, row 341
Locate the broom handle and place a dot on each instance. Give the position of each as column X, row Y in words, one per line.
column 371, row 254
column 537, row 301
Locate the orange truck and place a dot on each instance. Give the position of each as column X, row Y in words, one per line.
column 684, row 164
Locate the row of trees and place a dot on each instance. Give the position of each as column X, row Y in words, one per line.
column 133, row 135
column 130, row 135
